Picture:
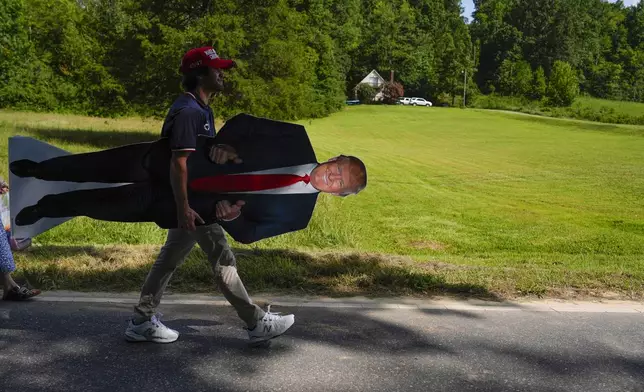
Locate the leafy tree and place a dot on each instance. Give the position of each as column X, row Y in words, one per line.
column 605, row 80
column 391, row 92
column 523, row 78
column 563, row 86
column 515, row 78
column 302, row 58
column 539, row 85
column 598, row 39
column 25, row 81
column 14, row 41
column 366, row 93
column 634, row 24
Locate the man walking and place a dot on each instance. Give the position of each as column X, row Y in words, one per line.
column 188, row 117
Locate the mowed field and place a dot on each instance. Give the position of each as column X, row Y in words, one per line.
column 621, row 107
column 459, row 201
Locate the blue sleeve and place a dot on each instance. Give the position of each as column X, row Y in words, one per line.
column 187, row 124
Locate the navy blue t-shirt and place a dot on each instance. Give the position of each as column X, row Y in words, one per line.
column 187, row 118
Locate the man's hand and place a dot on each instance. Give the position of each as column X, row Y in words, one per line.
column 227, row 212
column 222, row 153
column 187, row 219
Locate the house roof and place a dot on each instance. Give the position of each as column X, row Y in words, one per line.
column 370, row 74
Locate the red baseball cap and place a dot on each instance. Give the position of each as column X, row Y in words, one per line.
column 203, row 57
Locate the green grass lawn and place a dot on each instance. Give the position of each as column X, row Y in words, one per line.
column 622, row 107
column 458, row 201
column 583, row 108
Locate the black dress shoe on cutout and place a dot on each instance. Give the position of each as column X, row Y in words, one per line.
column 24, row 168
column 28, row 216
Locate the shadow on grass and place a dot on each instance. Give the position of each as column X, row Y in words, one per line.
column 276, row 271
column 343, row 274
column 92, row 138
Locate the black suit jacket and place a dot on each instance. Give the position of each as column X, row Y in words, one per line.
column 261, row 144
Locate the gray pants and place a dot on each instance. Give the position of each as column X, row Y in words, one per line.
column 212, row 240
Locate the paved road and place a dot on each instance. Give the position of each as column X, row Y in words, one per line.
column 66, row 346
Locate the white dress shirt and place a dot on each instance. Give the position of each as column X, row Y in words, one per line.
column 299, row 187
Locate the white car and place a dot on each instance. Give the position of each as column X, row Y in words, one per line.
column 419, row 101
column 404, row 101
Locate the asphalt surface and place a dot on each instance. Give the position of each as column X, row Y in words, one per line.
column 58, row 346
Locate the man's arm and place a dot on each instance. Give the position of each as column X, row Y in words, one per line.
column 183, row 141
column 186, row 216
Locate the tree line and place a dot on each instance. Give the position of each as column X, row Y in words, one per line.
column 589, row 46
column 296, row 58
column 303, row 58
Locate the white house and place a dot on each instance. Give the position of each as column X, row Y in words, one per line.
column 373, row 79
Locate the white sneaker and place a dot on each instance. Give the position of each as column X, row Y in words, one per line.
column 270, row 326
column 152, row 330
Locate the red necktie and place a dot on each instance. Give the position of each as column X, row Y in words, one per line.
column 246, row 182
